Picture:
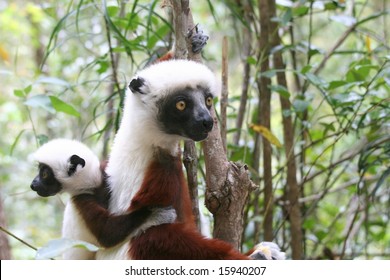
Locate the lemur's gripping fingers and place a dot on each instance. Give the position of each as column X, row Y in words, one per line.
column 158, row 216
column 164, row 215
column 267, row 251
column 198, row 39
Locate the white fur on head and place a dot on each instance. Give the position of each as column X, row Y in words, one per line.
column 56, row 154
column 158, row 81
column 167, row 76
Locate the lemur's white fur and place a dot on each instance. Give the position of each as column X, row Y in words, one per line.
column 139, row 132
column 131, row 152
column 56, row 154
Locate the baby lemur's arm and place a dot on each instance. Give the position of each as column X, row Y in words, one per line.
column 110, row 229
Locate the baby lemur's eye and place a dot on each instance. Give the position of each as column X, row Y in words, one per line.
column 45, row 174
column 209, row 101
column 180, row 105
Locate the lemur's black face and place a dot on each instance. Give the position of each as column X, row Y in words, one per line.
column 45, row 183
column 187, row 113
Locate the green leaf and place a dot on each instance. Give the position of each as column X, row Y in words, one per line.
column 251, row 60
column 306, row 69
column 42, row 101
column 28, row 89
column 333, row 5
column 300, row 105
column 42, row 139
column 315, row 80
column 160, row 33
column 309, row 223
column 23, row 93
column 19, row 93
column 283, row 91
column 321, row 234
column 103, row 66
column 56, row 247
column 336, row 84
column 61, row 106
column 112, row 10
column 300, row 11
column 286, row 17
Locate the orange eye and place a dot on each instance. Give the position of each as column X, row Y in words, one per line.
column 209, row 101
column 181, row 105
column 45, row 174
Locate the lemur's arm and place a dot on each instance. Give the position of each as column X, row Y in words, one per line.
column 110, row 229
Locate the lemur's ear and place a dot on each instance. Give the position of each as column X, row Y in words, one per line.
column 74, row 161
column 136, row 84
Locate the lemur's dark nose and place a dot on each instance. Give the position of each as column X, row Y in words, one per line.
column 208, row 123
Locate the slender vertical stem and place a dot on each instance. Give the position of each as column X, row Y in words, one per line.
column 224, row 93
column 265, row 117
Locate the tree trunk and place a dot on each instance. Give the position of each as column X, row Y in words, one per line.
column 265, row 117
column 293, row 192
column 228, row 187
column 227, row 184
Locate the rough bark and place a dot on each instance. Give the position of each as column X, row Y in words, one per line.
column 227, row 184
column 190, row 161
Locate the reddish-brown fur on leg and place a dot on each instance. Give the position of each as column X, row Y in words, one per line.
column 178, row 242
column 164, row 185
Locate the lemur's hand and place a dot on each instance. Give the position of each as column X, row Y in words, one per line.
column 165, row 215
column 267, row 251
column 198, row 39
column 158, row 216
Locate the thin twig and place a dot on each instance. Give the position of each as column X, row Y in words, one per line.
column 17, row 238
column 114, row 66
column 224, row 92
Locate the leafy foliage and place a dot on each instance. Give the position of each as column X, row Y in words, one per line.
column 64, row 67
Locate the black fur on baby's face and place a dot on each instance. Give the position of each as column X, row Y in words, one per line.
column 186, row 112
column 45, row 183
